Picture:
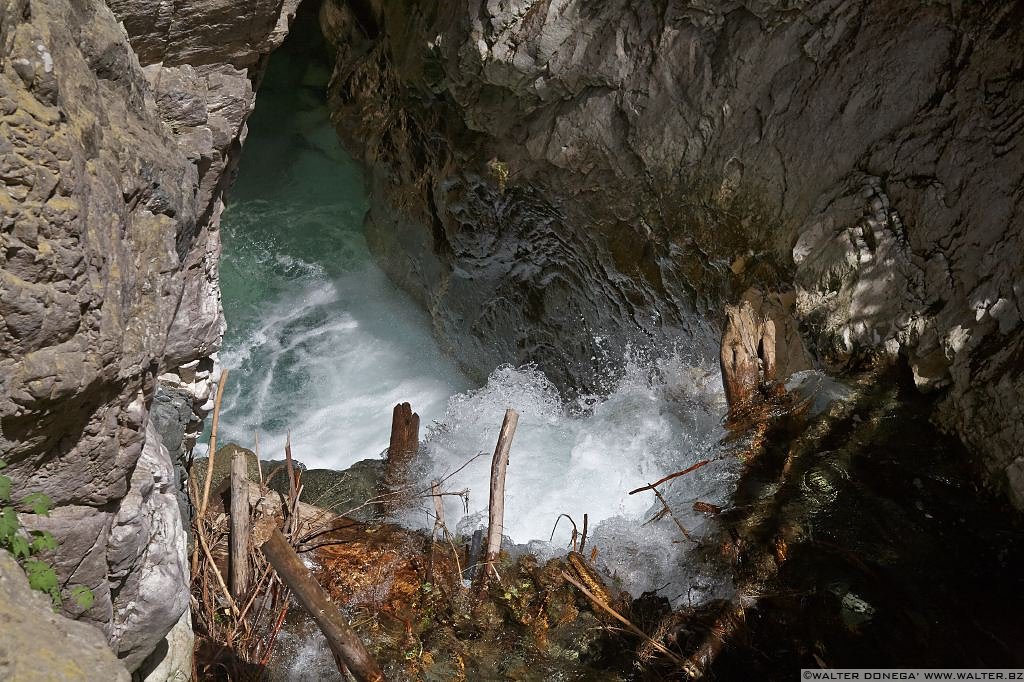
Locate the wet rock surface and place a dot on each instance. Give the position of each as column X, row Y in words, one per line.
column 353, row 492
column 555, row 181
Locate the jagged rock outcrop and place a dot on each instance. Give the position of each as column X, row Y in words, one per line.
column 146, row 556
column 112, row 176
column 552, row 173
column 39, row 644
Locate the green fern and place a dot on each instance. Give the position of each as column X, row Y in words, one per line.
column 24, row 544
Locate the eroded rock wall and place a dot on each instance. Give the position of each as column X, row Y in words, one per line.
column 112, row 176
column 550, row 174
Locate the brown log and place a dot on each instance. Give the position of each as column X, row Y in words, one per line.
column 496, row 505
column 747, row 353
column 240, row 513
column 405, row 441
column 344, row 643
column 405, row 433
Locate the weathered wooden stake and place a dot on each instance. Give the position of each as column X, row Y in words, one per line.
column 435, row 491
column 405, row 441
column 405, row 433
column 289, row 466
column 239, row 524
column 344, row 643
column 496, row 505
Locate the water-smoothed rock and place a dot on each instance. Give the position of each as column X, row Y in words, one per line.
column 555, row 179
column 348, row 492
column 147, row 559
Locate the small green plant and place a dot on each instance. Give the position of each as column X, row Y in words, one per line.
column 83, row 596
column 24, row 545
column 500, row 172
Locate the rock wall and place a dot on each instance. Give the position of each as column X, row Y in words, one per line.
column 550, row 174
column 116, row 148
column 39, row 644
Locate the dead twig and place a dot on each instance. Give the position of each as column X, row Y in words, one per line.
column 668, row 510
column 555, row 527
column 652, row 486
column 209, row 458
column 622, row 619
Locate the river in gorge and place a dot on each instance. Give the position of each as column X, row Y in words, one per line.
column 853, row 508
column 320, row 344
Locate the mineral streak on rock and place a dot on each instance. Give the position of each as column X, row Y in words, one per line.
column 861, row 156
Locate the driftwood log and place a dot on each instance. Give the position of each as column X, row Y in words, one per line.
column 240, row 515
column 496, row 505
column 747, row 354
column 344, row 642
column 405, row 441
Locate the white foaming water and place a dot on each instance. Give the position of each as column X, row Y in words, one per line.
column 573, row 459
column 328, row 361
column 322, row 344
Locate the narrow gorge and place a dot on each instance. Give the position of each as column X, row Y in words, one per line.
column 768, row 251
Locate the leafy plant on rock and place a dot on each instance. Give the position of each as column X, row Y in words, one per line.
column 24, row 545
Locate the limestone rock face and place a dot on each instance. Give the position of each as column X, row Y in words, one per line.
column 147, row 561
column 112, row 176
column 42, row 646
column 98, row 209
column 645, row 163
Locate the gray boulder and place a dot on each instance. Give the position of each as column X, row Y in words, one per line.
column 39, row 645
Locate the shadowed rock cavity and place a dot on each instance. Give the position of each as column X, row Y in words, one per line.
column 556, row 179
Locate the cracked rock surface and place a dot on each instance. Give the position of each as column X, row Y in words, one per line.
column 116, row 148
column 551, row 174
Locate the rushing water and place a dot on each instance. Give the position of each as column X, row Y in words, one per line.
column 318, row 341
column 321, row 344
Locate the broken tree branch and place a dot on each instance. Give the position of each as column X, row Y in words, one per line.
column 209, row 465
column 652, row 486
column 583, row 538
column 343, row 641
column 496, row 505
column 213, row 443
